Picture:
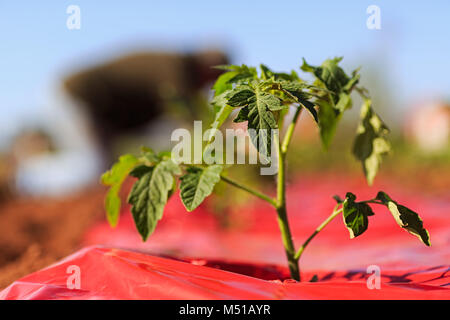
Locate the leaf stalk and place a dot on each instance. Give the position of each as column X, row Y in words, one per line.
column 319, row 228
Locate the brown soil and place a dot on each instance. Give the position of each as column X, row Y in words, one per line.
column 37, row 232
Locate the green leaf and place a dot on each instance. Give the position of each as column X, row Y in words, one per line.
column 164, row 155
column 243, row 73
column 338, row 199
column 257, row 110
column 296, row 89
column 225, row 100
column 355, row 215
column 269, row 101
column 139, row 171
column 337, row 100
column 405, row 218
column 267, row 73
column 119, row 170
column 329, row 73
column 336, row 80
column 221, row 116
column 150, row 193
column 354, row 79
column 240, row 96
column 370, row 143
column 344, row 102
column 222, row 83
column 328, row 120
column 112, row 205
column 197, row 184
column 333, row 76
column 114, row 178
column 222, row 112
column 149, row 155
column 242, row 115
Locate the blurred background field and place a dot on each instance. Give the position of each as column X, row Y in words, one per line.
column 71, row 101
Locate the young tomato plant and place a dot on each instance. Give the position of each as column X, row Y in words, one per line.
column 263, row 99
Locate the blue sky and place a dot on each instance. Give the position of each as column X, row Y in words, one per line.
column 37, row 49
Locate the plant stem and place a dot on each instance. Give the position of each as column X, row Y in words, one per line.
column 288, row 243
column 290, row 130
column 249, row 190
column 322, row 225
column 283, row 222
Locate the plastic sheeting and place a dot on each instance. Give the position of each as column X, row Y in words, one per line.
column 245, row 260
column 117, row 274
column 253, row 236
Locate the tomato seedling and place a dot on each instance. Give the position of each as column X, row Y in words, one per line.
column 264, row 99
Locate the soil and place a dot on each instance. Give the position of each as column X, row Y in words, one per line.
column 35, row 232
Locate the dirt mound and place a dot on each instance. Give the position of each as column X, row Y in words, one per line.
column 37, row 232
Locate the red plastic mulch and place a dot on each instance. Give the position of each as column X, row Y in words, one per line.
column 118, row 274
column 236, row 263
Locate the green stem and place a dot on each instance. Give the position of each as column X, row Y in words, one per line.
column 249, row 190
column 322, row 225
column 290, row 130
column 283, row 222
